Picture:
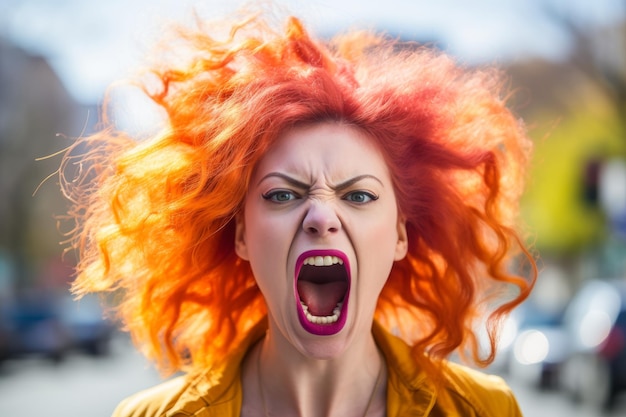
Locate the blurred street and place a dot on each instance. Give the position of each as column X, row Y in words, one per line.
column 79, row 386
column 82, row 386
column 551, row 403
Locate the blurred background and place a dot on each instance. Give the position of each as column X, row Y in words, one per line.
column 564, row 351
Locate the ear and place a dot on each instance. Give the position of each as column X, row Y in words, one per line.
column 402, row 245
column 240, row 241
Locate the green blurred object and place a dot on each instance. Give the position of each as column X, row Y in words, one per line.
column 560, row 205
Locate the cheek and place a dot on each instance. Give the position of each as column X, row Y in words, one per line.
column 268, row 241
column 384, row 231
column 265, row 233
column 379, row 248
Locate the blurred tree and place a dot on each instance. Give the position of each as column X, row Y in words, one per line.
column 561, row 201
column 599, row 54
column 578, row 109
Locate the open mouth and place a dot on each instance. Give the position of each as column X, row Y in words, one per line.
column 322, row 286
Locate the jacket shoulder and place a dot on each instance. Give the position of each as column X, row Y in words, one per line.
column 152, row 402
column 488, row 395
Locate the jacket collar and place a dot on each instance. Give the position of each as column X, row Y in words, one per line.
column 409, row 391
column 219, row 391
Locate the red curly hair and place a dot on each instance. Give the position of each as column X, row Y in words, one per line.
column 155, row 217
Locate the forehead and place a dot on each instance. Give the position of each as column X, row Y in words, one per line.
column 324, row 148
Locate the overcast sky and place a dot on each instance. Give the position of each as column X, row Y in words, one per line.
column 91, row 43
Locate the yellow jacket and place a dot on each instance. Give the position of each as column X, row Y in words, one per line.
column 409, row 393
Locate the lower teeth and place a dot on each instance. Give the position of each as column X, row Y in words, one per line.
column 322, row 319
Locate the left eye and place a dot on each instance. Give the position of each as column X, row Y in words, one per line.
column 360, row 197
column 280, row 196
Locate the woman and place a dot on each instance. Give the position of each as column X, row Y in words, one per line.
column 316, row 230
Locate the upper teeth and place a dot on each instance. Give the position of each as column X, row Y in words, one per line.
column 323, row 260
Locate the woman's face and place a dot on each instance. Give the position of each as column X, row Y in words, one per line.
column 321, row 231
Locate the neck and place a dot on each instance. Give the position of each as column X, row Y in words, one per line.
column 288, row 382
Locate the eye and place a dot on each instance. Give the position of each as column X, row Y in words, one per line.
column 360, row 197
column 280, row 196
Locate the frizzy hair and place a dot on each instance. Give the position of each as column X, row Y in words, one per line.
column 154, row 218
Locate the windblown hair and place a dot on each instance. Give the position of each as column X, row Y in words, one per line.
column 154, row 218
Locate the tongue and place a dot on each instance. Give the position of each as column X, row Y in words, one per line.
column 321, row 299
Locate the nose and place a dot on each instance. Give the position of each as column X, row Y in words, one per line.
column 321, row 219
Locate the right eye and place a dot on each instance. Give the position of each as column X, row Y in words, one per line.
column 280, row 196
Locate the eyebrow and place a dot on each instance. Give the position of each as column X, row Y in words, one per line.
column 337, row 187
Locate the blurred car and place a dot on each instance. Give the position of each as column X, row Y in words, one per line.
column 539, row 346
column 535, row 341
column 33, row 327
column 87, row 328
column 48, row 325
column 5, row 333
column 595, row 321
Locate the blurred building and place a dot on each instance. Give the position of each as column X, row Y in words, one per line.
column 38, row 119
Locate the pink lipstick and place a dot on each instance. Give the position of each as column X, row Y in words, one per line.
column 322, row 290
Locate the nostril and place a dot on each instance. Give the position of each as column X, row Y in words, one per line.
column 321, row 219
column 315, row 230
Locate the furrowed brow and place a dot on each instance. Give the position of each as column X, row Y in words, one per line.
column 287, row 178
column 349, row 183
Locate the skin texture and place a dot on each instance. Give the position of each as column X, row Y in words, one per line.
column 321, row 186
